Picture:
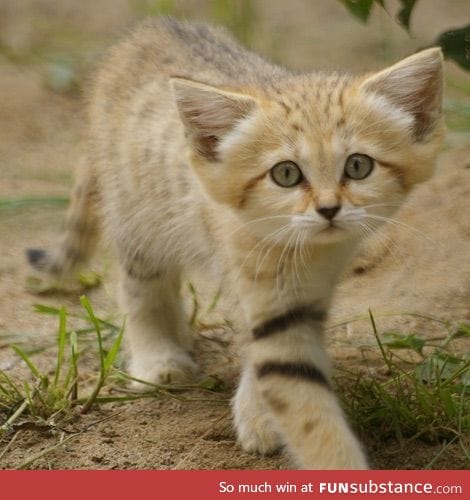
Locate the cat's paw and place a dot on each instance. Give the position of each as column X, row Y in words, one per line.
column 255, row 428
column 258, row 435
column 163, row 370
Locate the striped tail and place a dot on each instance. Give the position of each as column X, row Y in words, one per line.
column 80, row 235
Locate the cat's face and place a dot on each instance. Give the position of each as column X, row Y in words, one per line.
column 319, row 159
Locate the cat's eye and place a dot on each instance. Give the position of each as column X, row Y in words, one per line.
column 358, row 166
column 286, row 174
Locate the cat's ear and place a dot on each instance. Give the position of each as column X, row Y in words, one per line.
column 415, row 86
column 209, row 113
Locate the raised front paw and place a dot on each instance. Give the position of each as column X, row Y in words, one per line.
column 256, row 430
column 258, row 435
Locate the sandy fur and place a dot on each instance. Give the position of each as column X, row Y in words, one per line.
column 185, row 126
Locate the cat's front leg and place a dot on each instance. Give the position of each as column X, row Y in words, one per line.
column 254, row 423
column 291, row 374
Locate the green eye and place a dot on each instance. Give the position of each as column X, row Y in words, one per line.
column 358, row 166
column 286, row 174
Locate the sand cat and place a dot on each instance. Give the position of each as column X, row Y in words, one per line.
column 202, row 153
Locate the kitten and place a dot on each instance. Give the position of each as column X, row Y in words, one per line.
column 202, row 153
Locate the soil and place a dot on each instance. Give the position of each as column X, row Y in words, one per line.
column 420, row 264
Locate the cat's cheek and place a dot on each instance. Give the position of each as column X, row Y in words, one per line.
column 382, row 187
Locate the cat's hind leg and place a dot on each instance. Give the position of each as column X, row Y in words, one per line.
column 157, row 334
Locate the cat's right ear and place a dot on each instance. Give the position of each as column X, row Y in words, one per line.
column 209, row 113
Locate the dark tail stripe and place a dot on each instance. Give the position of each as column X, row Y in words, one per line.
column 305, row 371
column 36, row 256
column 301, row 314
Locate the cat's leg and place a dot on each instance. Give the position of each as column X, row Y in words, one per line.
column 254, row 423
column 157, row 333
column 291, row 374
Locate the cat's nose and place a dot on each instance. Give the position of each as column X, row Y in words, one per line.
column 329, row 212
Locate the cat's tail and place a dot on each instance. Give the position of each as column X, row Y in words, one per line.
column 80, row 235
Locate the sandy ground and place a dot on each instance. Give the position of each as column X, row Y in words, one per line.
column 420, row 265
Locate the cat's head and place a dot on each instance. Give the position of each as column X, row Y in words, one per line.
column 327, row 156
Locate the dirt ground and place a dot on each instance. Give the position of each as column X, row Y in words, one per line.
column 423, row 265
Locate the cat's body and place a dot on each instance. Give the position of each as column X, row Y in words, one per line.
column 185, row 129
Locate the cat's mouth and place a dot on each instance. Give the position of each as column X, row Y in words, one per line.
column 311, row 224
column 316, row 231
column 332, row 228
column 323, row 233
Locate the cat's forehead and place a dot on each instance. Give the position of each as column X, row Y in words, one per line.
column 312, row 116
column 311, row 101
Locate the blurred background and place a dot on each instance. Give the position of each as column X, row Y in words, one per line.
column 49, row 47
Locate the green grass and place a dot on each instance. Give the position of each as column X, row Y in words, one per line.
column 9, row 205
column 46, row 396
column 49, row 400
column 424, row 394
column 421, row 393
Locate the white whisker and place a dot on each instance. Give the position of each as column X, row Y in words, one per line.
column 261, row 242
column 385, row 240
column 255, row 221
column 399, row 223
column 271, row 245
column 280, row 265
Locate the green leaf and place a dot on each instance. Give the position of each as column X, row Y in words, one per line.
column 455, row 45
column 213, row 383
column 441, row 367
column 404, row 15
column 394, row 340
column 89, row 279
column 360, row 8
column 463, row 330
column 41, row 308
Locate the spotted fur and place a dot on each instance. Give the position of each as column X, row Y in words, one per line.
column 185, row 127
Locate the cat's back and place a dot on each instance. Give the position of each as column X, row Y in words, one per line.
column 136, row 141
column 163, row 47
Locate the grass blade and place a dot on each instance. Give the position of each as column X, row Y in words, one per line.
column 74, row 366
column 14, row 204
column 96, row 323
column 60, row 344
column 379, row 342
column 112, row 353
column 33, row 368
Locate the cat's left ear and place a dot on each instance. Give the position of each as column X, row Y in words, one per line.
column 209, row 113
column 415, row 86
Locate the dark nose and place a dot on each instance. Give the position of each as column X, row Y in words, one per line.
column 329, row 212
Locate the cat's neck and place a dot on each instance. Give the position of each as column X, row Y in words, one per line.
column 284, row 276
